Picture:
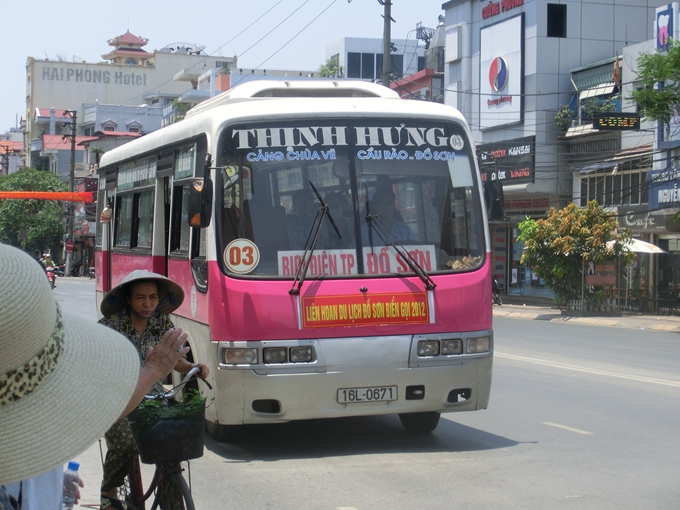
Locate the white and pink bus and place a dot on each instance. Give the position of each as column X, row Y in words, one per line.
column 332, row 242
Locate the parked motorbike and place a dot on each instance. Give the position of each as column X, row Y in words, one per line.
column 61, row 268
column 75, row 270
column 51, row 275
column 91, row 273
column 495, row 290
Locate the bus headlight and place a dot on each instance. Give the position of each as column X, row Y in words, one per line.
column 452, row 346
column 301, row 354
column 240, row 356
column 476, row 345
column 275, row 355
column 428, row 348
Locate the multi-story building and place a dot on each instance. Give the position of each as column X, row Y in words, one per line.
column 11, row 151
column 362, row 58
column 128, row 75
column 508, row 70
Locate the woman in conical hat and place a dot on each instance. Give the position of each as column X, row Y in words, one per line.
column 137, row 307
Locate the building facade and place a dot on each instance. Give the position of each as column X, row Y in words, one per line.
column 508, row 70
column 128, row 75
column 361, row 58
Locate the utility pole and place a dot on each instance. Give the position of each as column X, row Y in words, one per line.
column 71, row 187
column 387, row 43
column 5, row 158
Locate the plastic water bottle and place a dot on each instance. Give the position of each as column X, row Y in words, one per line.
column 71, row 484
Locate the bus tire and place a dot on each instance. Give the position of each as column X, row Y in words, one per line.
column 419, row 423
column 222, row 433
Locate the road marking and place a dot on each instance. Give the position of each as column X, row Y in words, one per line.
column 576, row 368
column 570, row 429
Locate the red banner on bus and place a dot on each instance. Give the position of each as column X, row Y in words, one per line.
column 365, row 310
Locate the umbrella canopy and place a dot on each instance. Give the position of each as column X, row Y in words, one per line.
column 639, row 246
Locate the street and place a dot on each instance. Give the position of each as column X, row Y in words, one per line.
column 580, row 417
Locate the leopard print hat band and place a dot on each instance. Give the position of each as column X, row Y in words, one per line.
column 21, row 381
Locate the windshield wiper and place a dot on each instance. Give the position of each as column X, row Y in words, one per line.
column 310, row 244
column 390, row 239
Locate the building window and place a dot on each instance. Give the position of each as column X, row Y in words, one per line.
column 131, row 62
column 557, row 20
column 367, row 66
column 108, row 128
column 616, row 190
column 354, row 65
column 133, row 130
column 397, row 64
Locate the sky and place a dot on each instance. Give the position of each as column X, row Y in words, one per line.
column 254, row 30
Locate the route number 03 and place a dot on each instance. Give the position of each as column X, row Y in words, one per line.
column 241, row 256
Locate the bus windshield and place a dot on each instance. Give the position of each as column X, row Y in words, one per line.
column 414, row 181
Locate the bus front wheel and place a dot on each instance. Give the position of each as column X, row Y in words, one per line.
column 419, row 423
column 222, row 433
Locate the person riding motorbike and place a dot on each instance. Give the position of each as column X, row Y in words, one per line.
column 47, row 261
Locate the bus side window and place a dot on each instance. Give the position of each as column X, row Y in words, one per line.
column 180, row 230
column 123, row 232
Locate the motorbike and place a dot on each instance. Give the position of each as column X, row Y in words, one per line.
column 61, row 268
column 51, row 275
column 90, row 272
column 495, row 291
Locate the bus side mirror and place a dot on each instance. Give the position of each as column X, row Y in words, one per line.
column 495, row 202
column 200, row 202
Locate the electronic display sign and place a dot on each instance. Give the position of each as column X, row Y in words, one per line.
column 616, row 121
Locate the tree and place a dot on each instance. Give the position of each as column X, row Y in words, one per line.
column 180, row 109
column 97, row 151
column 558, row 247
column 331, row 69
column 32, row 225
column 659, row 103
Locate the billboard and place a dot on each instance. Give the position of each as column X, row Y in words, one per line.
column 510, row 161
column 666, row 26
column 662, row 189
column 501, row 80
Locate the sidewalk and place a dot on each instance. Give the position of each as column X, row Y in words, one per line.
column 668, row 323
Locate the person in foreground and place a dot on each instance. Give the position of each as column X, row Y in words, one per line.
column 138, row 308
column 63, row 382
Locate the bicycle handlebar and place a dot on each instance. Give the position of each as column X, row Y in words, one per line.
column 172, row 392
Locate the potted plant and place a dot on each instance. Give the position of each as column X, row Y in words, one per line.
column 563, row 118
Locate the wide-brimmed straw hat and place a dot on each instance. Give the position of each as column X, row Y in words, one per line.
column 170, row 295
column 63, row 381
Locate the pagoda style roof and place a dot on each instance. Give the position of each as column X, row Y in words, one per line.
column 129, row 40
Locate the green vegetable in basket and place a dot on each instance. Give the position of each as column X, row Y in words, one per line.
column 190, row 408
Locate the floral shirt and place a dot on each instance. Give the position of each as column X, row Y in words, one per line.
column 157, row 326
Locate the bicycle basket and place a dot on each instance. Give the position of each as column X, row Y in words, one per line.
column 174, row 433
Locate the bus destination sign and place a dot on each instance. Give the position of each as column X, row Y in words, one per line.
column 365, row 310
column 616, row 121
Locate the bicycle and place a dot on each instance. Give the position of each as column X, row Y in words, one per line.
column 168, row 486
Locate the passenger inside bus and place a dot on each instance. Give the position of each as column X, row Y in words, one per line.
column 300, row 222
column 383, row 205
column 335, row 202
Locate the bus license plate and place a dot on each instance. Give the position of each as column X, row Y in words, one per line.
column 374, row 394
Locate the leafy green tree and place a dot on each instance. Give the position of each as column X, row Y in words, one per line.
column 558, row 247
column 32, row 225
column 331, row 69
column 659, row 103
column 180, row 109
column 97, row 151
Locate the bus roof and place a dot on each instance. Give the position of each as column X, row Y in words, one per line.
column 273, row 100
